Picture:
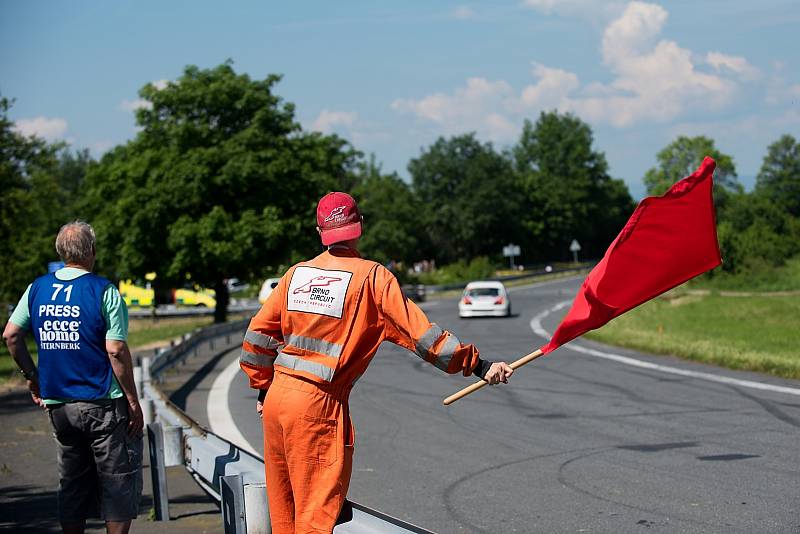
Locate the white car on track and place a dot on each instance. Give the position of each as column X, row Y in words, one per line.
column 487, row 298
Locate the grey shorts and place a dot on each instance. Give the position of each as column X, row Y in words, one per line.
column 99, row 464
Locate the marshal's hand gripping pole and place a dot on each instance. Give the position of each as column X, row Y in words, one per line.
column 478, row 385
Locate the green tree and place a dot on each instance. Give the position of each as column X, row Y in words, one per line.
column 220, row 182
column 71, row 171
column 391, row 213
column 568, row 192
column 755, row 232
column 40, row 183
column 467, row 198
column 779, row 177
column 682, row 157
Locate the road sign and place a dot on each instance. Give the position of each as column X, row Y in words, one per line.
column 510, row 251
column 574, row 247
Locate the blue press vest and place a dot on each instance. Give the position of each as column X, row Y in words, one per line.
column 69, row 327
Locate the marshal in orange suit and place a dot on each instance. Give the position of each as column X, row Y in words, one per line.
column 314, row 336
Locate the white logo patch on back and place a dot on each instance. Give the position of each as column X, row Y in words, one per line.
column 318, row 291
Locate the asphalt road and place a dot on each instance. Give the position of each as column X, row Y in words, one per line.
column 574, row 443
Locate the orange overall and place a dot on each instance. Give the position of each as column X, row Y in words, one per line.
column 315, row 335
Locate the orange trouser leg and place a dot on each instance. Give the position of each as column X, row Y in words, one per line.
column 308, row 456
column 279, row 488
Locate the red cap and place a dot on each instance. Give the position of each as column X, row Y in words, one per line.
column 338, row 218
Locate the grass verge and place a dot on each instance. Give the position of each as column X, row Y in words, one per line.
column 144, row 332
column 783, row 278
column 755, row 333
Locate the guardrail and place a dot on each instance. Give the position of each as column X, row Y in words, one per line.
column 510, row 278
column 211, row 335
column 233, row 477
column 171, row 310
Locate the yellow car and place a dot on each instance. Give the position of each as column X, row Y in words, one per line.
column 196, row 297
column 134, row 295
column 142, row 295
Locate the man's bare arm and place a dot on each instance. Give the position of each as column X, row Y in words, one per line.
column 14, row 337
column 122, row 364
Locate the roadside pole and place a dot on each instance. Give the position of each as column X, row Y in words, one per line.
column 574, row 247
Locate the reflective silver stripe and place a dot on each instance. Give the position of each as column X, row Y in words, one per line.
column 299, row 364
column 446, row 354
column 427, row 340
column 259, row 360
column 261, row 340
column 334, row 350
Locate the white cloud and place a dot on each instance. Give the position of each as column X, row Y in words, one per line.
column 133, row 105
column 469, row 108
column 463, row 13
column 652, row 79
column 140, row 103
column 586, row 9
column 736, row 64
column 550, row 91
column 499, row 128
column 44, row 127
column 327, row 121
column 478, row 96
column 633, row 32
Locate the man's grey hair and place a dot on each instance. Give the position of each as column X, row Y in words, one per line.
column 75, row 242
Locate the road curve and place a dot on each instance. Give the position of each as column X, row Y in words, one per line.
column 575, row 443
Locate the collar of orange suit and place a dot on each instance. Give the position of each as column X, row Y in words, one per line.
column 341, row 250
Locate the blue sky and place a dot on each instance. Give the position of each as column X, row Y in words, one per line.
column 392, row 77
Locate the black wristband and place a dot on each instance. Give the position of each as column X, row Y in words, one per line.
column 30, row 375
column 262, row 393
column 481, row 368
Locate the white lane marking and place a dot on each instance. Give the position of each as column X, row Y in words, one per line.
column 219, row 414
column 538, row 329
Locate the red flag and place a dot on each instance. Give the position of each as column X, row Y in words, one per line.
column 668, row 240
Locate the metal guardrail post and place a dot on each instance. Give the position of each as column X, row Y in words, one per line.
column 232, row 508
column 158, row 472
column 256, row 510
column 148, row 410
column 146, row 369
column 173, row 446
column 137, row 381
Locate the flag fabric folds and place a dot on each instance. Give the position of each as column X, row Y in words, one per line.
column 668, row 240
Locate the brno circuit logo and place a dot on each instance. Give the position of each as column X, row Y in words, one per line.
column 319, row 291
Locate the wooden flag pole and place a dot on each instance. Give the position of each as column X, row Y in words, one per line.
column 478, row 385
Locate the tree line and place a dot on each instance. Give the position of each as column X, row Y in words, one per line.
column 222, row 181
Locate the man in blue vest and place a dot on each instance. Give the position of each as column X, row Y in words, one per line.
column 85, row 382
